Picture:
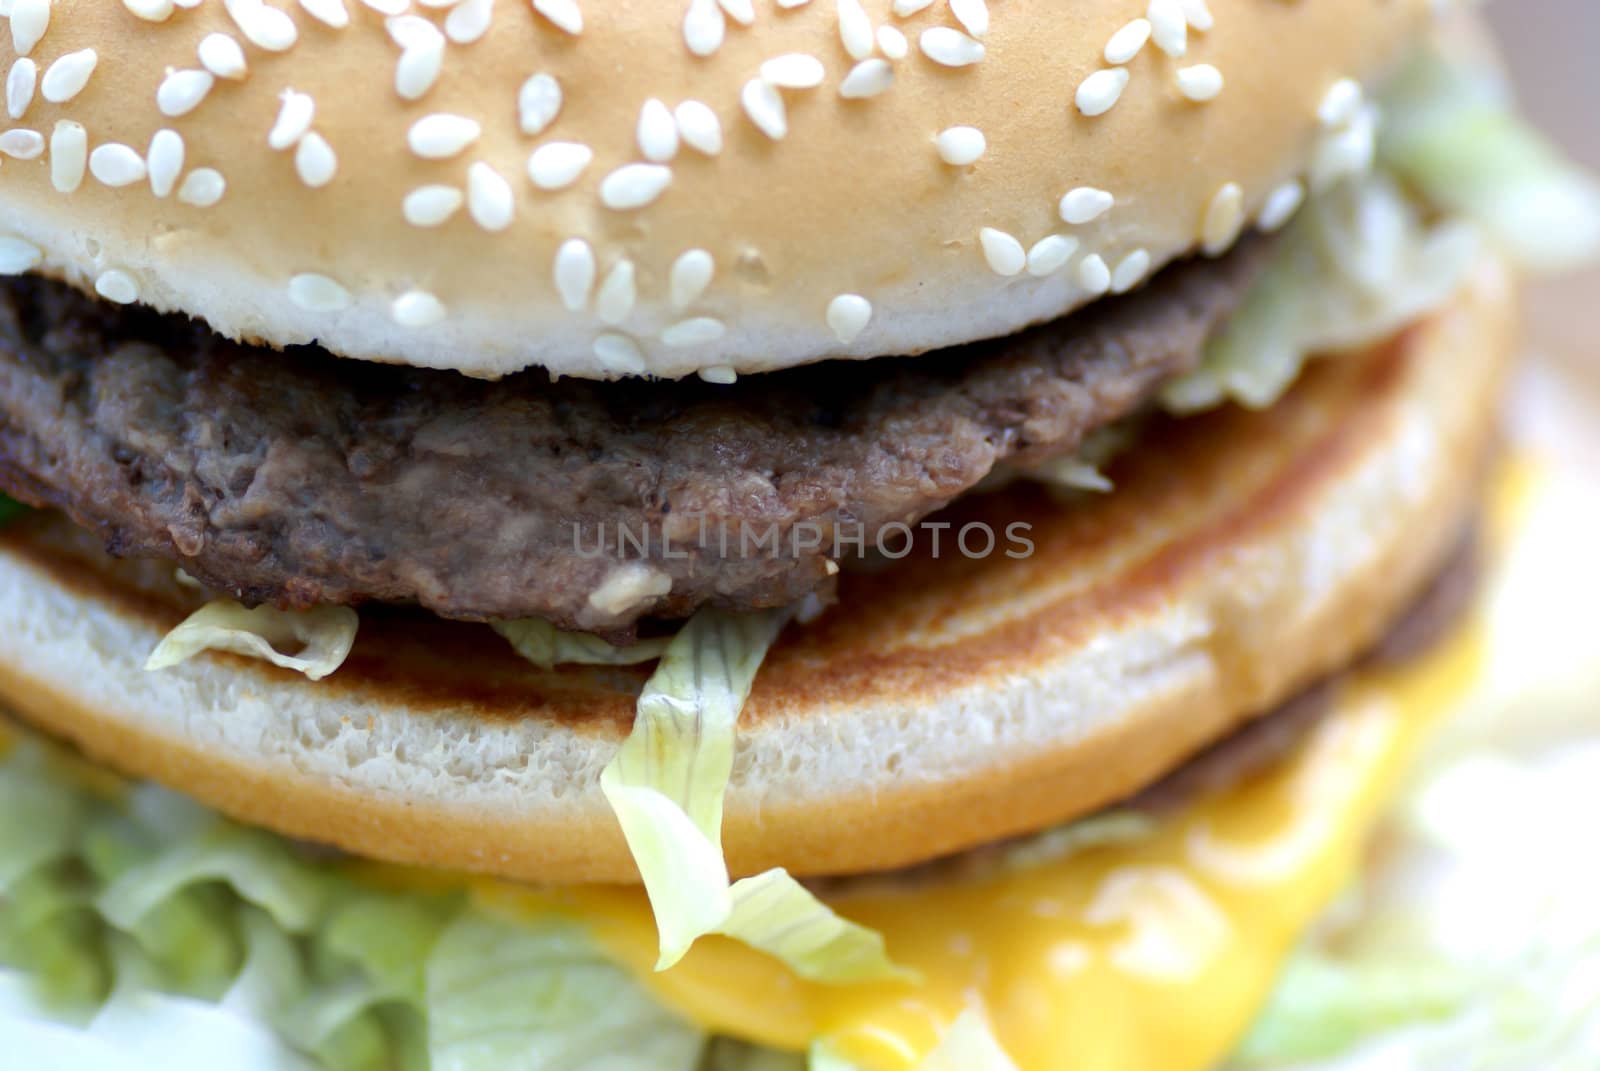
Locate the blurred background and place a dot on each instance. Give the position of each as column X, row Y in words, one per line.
column 1553, row 50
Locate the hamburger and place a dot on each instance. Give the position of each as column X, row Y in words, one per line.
column 935, row 552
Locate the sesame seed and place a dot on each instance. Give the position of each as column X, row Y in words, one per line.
column 1223, row 221
column 69, row 155
column 893, row 43
column 441, row 136
column 1085, row 204
column 961, row 145
column 765, row 108
column 634, row 186
column 67, row 76
column 538, row 103
column 697, row 331
column 20, row 143
column 265, row 27
column 1281, row 205
column 848, row 316
column 741, row 11
column 906, row 8
column 557, row 164
column 619, row 354
column 412, row 31
column 391, row 8
column 1098, row 92
column 867, row 79
column 699, row 127
column 1003, row 252
column 1169, row 28
column 149, row 10
column 29, row 21
column 563, row 14
column 657, row 132
column 222, row 56
column 1199, row 83
column 417, row 308
column 973, row 15
column 431, row 206
column 703, row 27
column 1340, row 103
column 202, row 187
column 165, row 161
column 949, row 48
column 318, row 293
column 1127, row 42
column 793, row 70
column 20, row 84
column 468, row 21
column 328, row 12
column 614, row 301
column 1347, row 151
column 116, row 165
column 17, row 256
column 1050, row 254
column 294, row 120
column 314, row 161
column 181, row 92
column 788, row 4
column 117, row 287
column 855, row 29
column 691, row 274
column 573, row 272
column 490, row 201
column 1093, row 275
column 1198, row 15
column 1130, row 271
column 421, row 58
column 721, row 374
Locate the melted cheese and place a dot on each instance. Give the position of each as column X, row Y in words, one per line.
column 1147, row 955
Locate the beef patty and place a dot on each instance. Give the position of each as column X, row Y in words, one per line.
column 296, row 479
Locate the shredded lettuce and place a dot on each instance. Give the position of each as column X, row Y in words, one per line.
column 546, row 646
column 969, row 1045
column 321, row 637
column 1366, row 255
column 1360, row 262
column 138, row 930
column 515, row 996
column 666, row 785
column 1451, row 130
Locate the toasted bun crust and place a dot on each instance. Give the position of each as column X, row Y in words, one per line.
column 943, row 703
column 854, row 200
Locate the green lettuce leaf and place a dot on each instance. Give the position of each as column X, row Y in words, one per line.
column 666, row 786
column 140, row 931
column 1451, row 129
column 320, row 638
column 1359, row 263
column 968, row 1045
column 1368, row 253
column 546, row 646
column 525, row 996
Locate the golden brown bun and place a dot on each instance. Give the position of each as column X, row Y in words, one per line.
column 941, row 704
column 855, row 199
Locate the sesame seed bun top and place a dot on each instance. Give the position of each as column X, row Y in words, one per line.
column 689, row 186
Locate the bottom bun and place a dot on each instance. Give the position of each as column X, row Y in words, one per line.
column 943, row 703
